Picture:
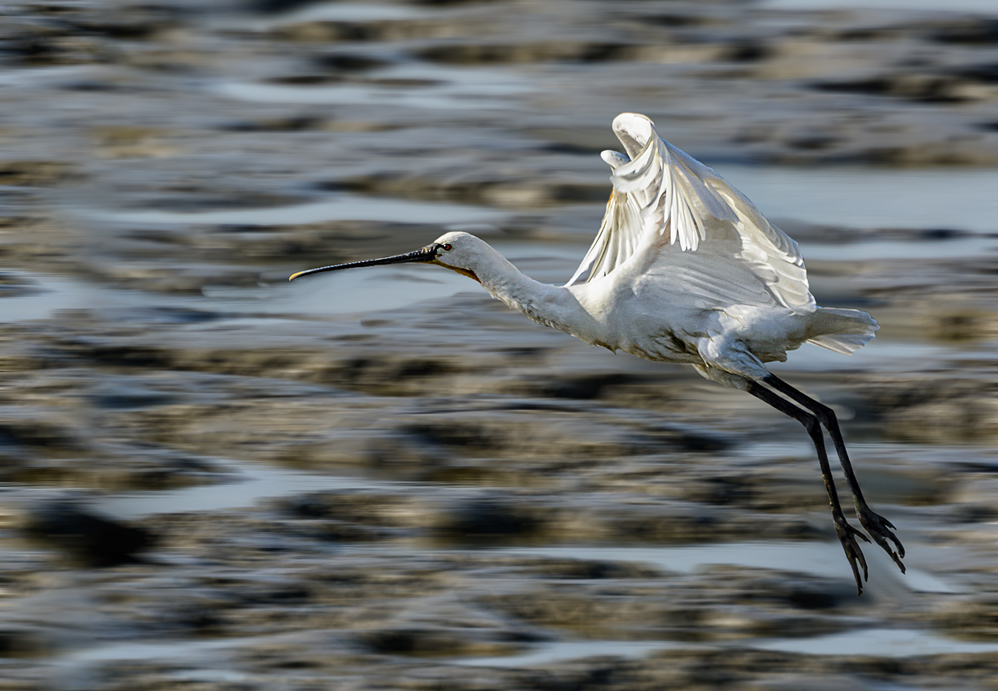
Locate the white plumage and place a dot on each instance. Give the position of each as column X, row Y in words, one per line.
column 705, row 244
column 685, row 269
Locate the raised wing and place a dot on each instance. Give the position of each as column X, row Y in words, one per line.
column 665, row 201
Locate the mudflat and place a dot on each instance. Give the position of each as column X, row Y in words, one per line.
column 214, row 479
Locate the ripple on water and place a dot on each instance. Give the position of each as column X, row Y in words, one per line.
column 338, row 208
column 53, row 294
column 465, row 88
column 887, row 249
column 876, row 198
column 877, row 643
column 814, row 558
column 344, row 12
column 891, row 643
column 978, row 6
column 255, row 482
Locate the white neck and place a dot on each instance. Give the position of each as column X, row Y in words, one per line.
column 554, row 306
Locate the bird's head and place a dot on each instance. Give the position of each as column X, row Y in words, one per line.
column 457, row 251
column 460, row 252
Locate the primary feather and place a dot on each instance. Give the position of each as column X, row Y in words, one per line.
column 704, row 231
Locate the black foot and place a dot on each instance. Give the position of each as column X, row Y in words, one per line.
column 879, row 529
column 847, row 536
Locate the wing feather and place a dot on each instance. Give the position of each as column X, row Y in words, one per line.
column 667, row 202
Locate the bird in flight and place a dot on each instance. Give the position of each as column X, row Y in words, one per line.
column 685, row 269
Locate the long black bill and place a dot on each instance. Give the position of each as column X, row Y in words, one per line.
column 426, row 254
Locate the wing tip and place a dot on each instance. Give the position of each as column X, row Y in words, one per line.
column 614, row 159
column 634, row 131
column 627, row 120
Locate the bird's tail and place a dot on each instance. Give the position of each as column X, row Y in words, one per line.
column 844, row 331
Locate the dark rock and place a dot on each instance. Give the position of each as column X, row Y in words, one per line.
column 429, row 641
column 491, row 517
column 973, row 32
column 342, row 62
column 21, row 641
column 276, row 6
column 87, row 537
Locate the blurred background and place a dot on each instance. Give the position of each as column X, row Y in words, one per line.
column 214, row 479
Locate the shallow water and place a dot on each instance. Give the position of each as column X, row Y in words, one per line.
column 342, row 208
column 438, row 88
column 816, row 558
column 881, row 355
column 926, row 249
column 873, row 198
column 985, row 7
column 381, row 289
column 344, row 293
column 571, row 650
column 53, row 294
column 251, row 483
column 891, row 643
column 159, row 650
column 343, row 12
column 859, row 198
column 879, row 643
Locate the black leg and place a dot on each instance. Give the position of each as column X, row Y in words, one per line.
column 879, row 528
column 846, row 532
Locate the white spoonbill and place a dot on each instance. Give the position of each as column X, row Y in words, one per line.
column 685, row 269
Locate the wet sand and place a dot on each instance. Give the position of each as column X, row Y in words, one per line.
column 215, row 479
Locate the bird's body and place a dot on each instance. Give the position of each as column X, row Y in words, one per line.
column 685, row 269
column 632, row 309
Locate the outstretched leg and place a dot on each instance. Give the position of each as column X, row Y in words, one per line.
column 879, row 528
column 846, row 532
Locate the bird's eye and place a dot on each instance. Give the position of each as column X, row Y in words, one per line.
column 447, row 247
